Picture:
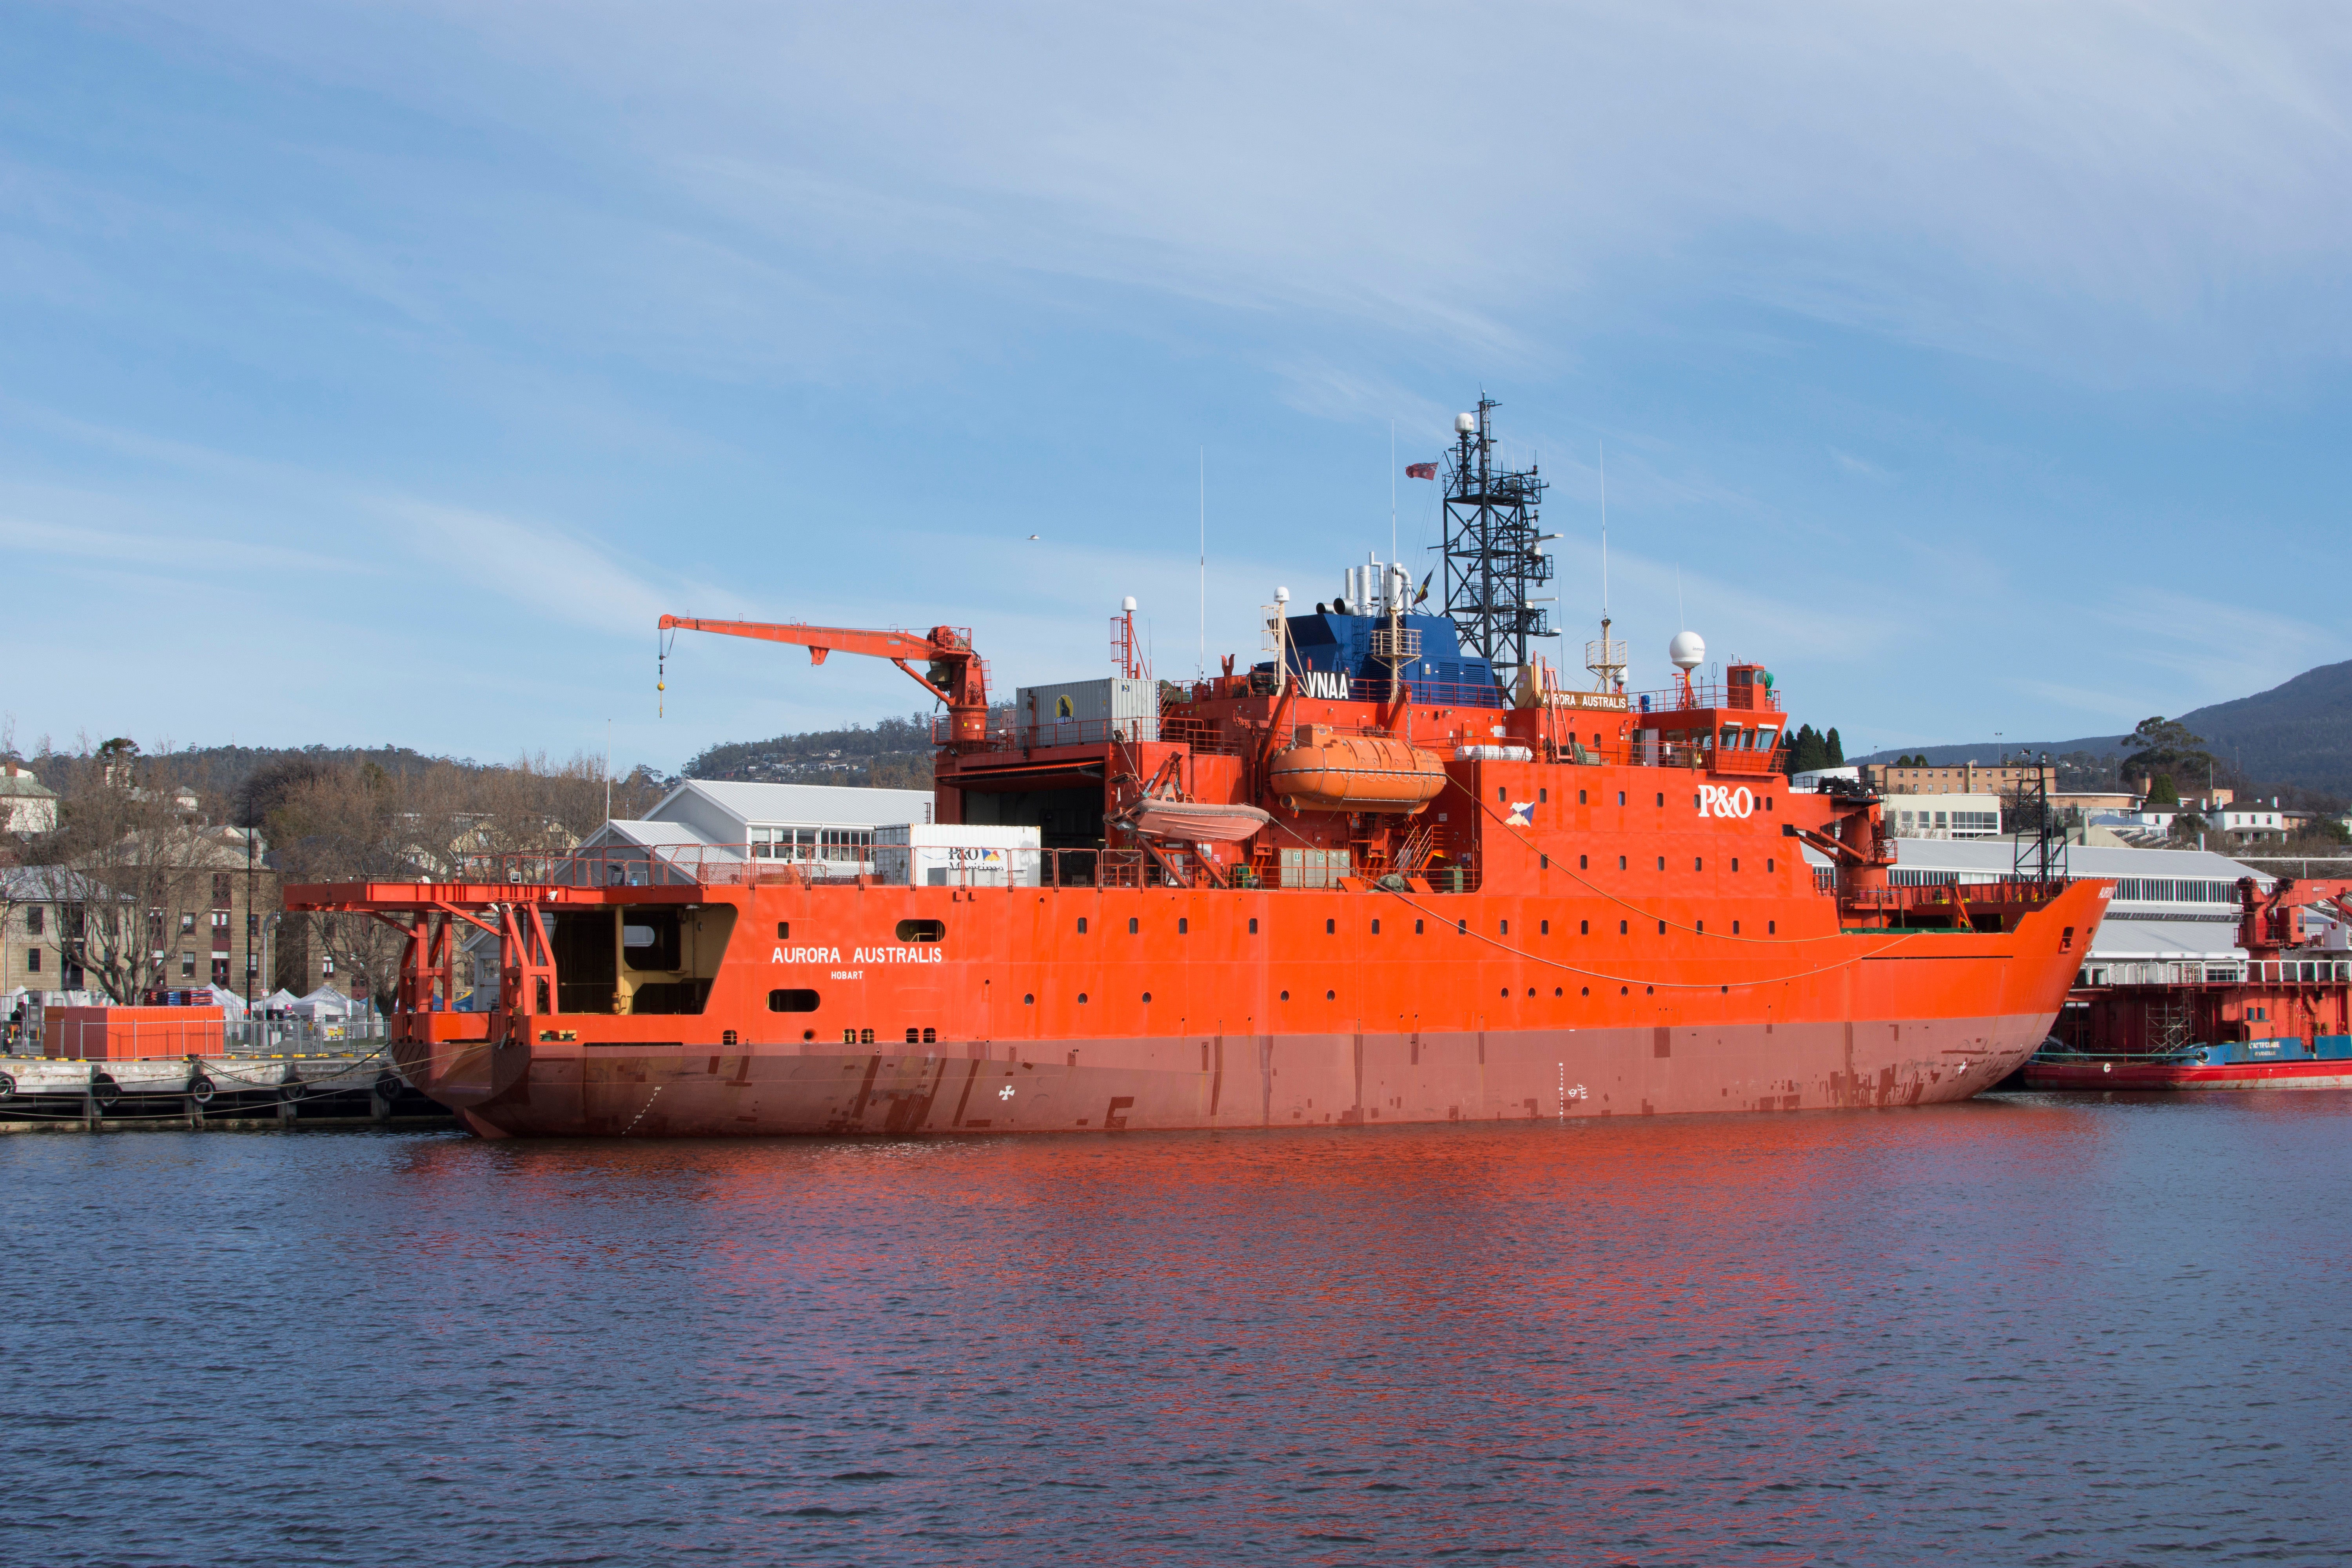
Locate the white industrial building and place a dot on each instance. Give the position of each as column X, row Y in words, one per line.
column 2170, row 905
column 706, row 822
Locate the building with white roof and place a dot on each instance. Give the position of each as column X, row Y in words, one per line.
column 2170, row 905
column 705, row 820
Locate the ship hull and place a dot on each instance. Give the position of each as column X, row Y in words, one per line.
column 2095, row 1074
column 1245, row 1081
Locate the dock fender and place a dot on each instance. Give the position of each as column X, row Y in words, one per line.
column 103, row 1088
column 7, row 1085
column 200, row 1088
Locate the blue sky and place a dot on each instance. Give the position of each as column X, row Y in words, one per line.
column 379, row 373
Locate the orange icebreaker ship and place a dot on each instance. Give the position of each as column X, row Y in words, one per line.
column 1385, row 875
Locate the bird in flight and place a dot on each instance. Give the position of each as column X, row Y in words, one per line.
column 1033, row 536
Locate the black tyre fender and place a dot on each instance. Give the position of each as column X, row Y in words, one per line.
column 8, row 1087
column 200, row 1090
column 103, row 1088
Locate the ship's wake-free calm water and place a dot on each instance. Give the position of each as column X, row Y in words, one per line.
column 2018, row 1331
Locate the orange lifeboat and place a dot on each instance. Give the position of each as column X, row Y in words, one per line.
column 1354, row 773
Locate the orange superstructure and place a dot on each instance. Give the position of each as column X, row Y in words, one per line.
column 1598, row 904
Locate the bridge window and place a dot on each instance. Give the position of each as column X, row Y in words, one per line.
column 922, row 930
column 792, row 1001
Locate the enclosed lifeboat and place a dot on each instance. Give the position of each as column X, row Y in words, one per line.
column 1354, row 773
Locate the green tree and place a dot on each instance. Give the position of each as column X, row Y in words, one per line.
column 1836, row 747
column 1808, row 750
column 2162, row 792
column 2166, row 746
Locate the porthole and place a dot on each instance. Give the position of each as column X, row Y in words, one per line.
column 1331, row 927
column 1462, row 928
column 1621, row 797
column 1584, row 928
column 1506, row 931
column 1586, row 991
column 922, row 930
column 1082, row 997
column 783, row 931
column 1253, row 925
column 1584, row 862
column 1543, row 797
column 1330, row 996
column 1768, row 864
column 1735, row 862
column 1544, row 927
column 1029, row 999
column 1506, row 992
column 1699, row 862
column 1699, row 927
column 1649, row 991
column 808, row 1034
column 792, row 1001
column 1082, row 925
column 1662, row 862
column 1558, row 992
column 1285, row 996
column 1662, row 927
column 1544, row 862
column 1621, row 862
column 1133, row 925
column 1531, row 993
column 1621, row 991
column 1579, row 797
column 1416, row 928
column 1376, row 927
column 1147, row 996
column 1662, row 797
column 1771, row 928
column 1620, row 929
column 1735, row 928
column 1499, row 796
column 1183, row 926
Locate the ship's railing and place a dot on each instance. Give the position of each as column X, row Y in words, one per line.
column 959, row 866
column 1711, row 694
column 1003, row 736
column 2227, row 972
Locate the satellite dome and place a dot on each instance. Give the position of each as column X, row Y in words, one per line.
column 1129, row 604
column 1466, row 423
column 1687, row 651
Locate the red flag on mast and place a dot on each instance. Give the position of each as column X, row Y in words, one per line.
column 1421, row 470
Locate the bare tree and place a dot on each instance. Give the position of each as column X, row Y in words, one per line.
column 127, row 851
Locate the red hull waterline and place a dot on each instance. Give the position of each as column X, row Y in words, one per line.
column 1237, row 1081
column 2096, row 1075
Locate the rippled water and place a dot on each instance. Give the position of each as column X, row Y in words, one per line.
column 2020, row 1331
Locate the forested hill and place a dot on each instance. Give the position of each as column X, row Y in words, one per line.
column 893, row 754
column 2298, row 733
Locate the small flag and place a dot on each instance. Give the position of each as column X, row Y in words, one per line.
column 1421, row 470
column 1417, row 598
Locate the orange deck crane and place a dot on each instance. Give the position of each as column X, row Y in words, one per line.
column 2272, row 923
column 951, row 671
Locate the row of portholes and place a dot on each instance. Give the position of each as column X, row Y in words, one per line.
column 1461, row 927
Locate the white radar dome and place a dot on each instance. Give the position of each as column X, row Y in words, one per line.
column 1129, row 603
column 1466, row 423
column 1687, row 651
column 1282, row 596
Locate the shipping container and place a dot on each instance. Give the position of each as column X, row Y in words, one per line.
column 928, row 856
column 1088, row 712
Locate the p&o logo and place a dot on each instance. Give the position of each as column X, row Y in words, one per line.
column 1721, row 800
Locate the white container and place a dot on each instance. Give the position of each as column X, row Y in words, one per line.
column 928, row 855
column 1088, row 712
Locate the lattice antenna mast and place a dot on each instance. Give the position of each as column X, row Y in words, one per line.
column 1494, row 559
